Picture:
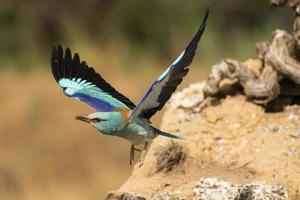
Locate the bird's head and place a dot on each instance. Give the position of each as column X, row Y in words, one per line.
column 106, row 122
column 92, row 119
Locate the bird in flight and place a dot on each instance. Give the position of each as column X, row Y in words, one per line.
column 115, row 114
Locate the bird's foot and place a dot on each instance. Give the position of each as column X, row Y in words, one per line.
column 138, row 150
column 132, row 154
column 141, row 163
column 143, row 156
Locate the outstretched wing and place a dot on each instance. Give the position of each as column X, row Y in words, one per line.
column 80, row 81
column 161, row 90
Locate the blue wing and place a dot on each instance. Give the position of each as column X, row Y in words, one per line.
column 161, row 90
column 80, row 81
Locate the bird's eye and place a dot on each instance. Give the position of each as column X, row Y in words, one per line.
column 96, row 120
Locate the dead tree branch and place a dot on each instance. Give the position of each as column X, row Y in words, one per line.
column 264, row 81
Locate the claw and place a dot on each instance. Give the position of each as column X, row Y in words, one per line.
column 132, row 154
column 142, row 158
column 141, row 163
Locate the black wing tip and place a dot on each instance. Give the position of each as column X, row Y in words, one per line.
column 194, row 43
column 64, row 64
column 57, row 49
column 61, row 60
column 76, row 57
column 57, row 53
column 192, row 46
column 56, row 56
column 206, row 15
column 203, row 23
column 209, row 5
column 55, row 46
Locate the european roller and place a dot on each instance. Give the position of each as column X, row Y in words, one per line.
column 115, row 114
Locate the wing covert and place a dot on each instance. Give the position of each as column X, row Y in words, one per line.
column 161, row 90
column 80, row 81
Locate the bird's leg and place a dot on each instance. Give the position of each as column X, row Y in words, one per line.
column 132, row 152
column 145, row 146
column 143, row 154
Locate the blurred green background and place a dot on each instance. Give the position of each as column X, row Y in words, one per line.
column 44, row 152
column 133, row 29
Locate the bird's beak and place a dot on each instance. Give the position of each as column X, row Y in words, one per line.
column 83, row 118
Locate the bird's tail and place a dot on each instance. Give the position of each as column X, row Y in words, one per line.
column 170, row 135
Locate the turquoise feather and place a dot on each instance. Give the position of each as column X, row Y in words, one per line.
column 137, row 132
column 116, row 115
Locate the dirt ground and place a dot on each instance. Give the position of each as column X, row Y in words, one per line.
column 232, row 140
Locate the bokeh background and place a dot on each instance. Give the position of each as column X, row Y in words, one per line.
column 44, row 152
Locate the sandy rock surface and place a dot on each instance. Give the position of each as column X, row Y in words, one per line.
column 234, row 149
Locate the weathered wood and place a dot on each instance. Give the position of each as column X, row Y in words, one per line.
column 261, row 89
column 279, row 58
column 280, row 55
column 278, row 2
column 295, row 4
